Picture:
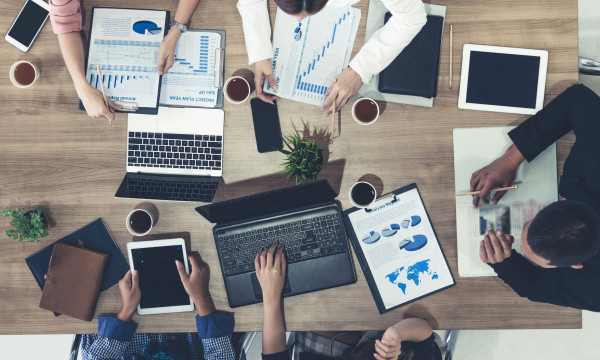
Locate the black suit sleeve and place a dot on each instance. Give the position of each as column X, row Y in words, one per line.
column 576, row 109
column 284, row 355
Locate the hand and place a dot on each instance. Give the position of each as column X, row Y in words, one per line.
column 130, row 294
column 196, row 284
column 166, row 52
column 93, row 101
column 389, row 346
column 270, row 268
column 346, row 85
column 500, row 173
column 495, row 247
column 264, row 69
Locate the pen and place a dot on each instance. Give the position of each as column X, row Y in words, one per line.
column 451, row 29
column 493, row 190
column 103, row 91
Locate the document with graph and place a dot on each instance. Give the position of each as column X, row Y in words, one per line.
column 195, row 78
column 125, row 43
column 475, row 148
column 308, row 55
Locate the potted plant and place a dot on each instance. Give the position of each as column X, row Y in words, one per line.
column 304, row 159
column 29, row 226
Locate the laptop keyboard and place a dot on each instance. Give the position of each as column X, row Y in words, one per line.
column 303, row 239
column 175, row 151
column 180, row 189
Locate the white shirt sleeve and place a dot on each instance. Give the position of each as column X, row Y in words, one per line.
column 257, row 29
column 408, row 17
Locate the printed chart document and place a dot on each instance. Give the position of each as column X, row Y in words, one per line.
column 310, row 54
column 398, row 249
column 194, row 79
column 125, row 43
column 475, row 148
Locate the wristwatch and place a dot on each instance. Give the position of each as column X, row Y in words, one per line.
column 181, row 27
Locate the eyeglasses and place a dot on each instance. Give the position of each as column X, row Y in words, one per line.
column 298, row 32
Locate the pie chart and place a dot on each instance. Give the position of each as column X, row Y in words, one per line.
column 418, row 242
column 405, row 223
column 395, row 227
column 141, row 26
column 388, row 232
column 371, row 237
column 415, row 220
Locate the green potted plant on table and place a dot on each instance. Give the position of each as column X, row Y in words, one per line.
column 304, row 159
column 29, row 226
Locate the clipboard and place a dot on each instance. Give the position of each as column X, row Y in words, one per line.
column 384, row 204
column 219, row 69
column 129, row 106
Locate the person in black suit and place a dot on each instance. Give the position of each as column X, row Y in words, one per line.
column 561, row 244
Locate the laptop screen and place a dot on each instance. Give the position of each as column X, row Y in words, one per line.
column 268, row 202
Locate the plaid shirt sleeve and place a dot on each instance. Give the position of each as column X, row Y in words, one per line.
column 114, row 336
column 215, row 331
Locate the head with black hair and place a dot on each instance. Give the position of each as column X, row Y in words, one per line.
column 564, row 234
column 301, row 8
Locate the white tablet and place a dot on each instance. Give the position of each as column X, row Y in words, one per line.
column 161, row 287
column 502, row 79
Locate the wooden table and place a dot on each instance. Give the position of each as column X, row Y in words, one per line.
column 53, row 154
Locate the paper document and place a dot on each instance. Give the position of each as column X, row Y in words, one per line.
column 125, row 44
column 401, row 249
column 475, row 148
column 309, row 55
column 194, row 79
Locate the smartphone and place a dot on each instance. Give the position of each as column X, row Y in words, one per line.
column 28, row 24
column 266, row 126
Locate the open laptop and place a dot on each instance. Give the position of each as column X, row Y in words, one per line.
column 175, row 155
column 304, row 218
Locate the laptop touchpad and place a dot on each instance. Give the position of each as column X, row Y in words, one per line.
column 258, row 290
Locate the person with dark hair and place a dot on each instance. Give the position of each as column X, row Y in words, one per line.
column 408, row 17
column 561, row 244
column 409, row 339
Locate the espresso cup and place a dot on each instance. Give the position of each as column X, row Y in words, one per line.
column 23, row 74
column 236, row 90
column 139, row 222
column 365, row 111
column 362, row 194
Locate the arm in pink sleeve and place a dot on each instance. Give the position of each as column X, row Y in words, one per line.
column 65, row 16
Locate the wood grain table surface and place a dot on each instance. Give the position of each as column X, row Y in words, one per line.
column 53, row 154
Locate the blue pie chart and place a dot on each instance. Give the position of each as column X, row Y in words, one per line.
column 415, row 220
column 405, row 223
column 418, row 242
column 141, row 26
column 388, row 232
column 395, row 227
column 371, row 237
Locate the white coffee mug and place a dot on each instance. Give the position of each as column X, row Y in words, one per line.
column 227, row 95
column 11, row 74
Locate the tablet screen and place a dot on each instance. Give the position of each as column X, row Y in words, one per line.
column 503, row 79
column 159, row 280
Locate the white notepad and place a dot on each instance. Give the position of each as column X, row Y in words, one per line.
column 475, row 148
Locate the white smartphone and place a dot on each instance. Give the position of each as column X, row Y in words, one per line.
column 28, row 24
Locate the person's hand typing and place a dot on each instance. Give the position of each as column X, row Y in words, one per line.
column 343, row 88
column 263, row 70
column 130, row 294
column 93, row 101
column 495, row 247
column 166, row 52
column 270, row 265
column 196, row 284
column 389, row 347
column 499, row 173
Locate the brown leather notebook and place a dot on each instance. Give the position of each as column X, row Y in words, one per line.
column 73, row 281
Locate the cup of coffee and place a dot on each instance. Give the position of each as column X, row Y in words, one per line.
column 237, row 90
column 23, row 74
column 362, row 194
column 365, row 111
column 139, row 222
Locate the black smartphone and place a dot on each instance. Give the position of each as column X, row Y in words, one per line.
column 266, row 126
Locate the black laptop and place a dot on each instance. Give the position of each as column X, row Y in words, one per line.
column 305, row 218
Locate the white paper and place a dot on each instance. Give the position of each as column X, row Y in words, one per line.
column 474, row 148
column 401, row 275
column 305, row 68
column 191, row 81
column 128, row 59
